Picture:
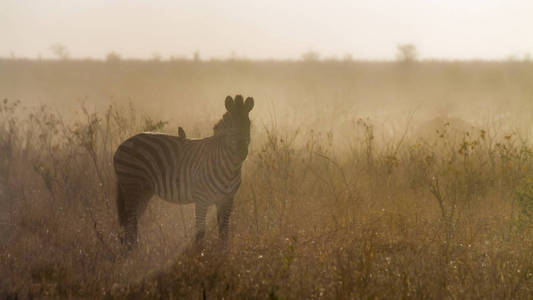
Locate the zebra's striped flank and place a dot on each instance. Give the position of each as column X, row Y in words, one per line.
column 181, row 170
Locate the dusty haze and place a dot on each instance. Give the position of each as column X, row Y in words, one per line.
column 405, row 177
column 452, row 29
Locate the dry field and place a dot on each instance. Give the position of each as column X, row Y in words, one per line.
column 363, row 180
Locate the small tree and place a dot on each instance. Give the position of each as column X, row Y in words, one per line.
column 406, row 53
column 60, row 51
column 348, row 57
column 156, row 57
column 310, row 56
column 196, row 56
column 113, row 57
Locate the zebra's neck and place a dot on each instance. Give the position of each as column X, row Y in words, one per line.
column 226, row 155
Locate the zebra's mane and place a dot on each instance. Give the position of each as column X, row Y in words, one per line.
column 221, row 125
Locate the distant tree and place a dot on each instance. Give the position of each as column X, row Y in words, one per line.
column 60, row 51
column 177, row 57
column 527, row 57
column 406, row 53
column 113, row 57
column 196, row 56
column 156, row 56
column 310, row 56
column 512, row 57
column 348, row 57
column 233, row 55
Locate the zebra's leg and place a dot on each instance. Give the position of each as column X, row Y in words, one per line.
column 224, row 209
column 200, row 213
column 133, row 199
column 137, row 209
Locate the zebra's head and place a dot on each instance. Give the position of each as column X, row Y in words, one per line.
column 235, row 124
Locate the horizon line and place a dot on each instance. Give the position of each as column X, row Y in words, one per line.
column 244, row 59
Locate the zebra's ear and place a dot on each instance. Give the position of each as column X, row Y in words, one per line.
column 249, row 103
column 229, row 103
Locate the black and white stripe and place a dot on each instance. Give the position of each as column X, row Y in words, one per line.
column 180, row 170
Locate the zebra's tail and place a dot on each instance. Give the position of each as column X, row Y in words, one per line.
column 121, row 206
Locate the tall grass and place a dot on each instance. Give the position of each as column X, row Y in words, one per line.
column 443, row 214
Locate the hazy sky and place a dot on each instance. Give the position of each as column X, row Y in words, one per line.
column 371, row 29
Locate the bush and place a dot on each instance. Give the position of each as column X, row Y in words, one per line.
column 410, row 218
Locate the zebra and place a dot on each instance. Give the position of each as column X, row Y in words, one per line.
column 181, row 170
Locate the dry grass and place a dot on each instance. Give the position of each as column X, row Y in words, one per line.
column 356, row 211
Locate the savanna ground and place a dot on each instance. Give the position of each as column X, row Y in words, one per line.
column 363, row 180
